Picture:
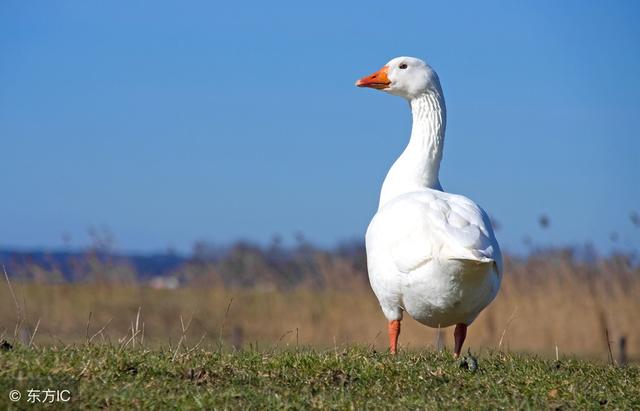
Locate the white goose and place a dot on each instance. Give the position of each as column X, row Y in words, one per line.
column 429, row 253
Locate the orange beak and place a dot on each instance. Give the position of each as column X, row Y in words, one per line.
column 377, row 80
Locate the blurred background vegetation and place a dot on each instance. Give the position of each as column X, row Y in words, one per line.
column 569, row 299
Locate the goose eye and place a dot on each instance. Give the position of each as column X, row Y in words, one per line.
column 403, row 66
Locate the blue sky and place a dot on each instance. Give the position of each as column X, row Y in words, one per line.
column 170, row 122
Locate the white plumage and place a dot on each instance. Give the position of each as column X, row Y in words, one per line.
column 430, row 253
column 434, row 255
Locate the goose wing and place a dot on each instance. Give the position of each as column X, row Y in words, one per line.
column 424, row 225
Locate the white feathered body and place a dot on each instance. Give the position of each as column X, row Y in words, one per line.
column 435, row 256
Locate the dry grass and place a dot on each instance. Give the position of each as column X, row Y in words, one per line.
column 545, row 302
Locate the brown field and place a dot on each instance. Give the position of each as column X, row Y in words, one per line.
column 546, row 301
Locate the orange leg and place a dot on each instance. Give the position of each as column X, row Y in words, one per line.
column 459, row 334
column 394, row 332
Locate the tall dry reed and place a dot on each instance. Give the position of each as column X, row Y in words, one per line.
column 546, row 301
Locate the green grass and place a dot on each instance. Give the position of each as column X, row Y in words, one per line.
column 104, row 376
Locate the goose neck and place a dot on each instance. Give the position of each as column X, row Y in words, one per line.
column 418, row 166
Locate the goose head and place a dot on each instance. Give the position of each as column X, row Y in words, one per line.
column 407, row 77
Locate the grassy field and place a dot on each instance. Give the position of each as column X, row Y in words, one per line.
column 235, row 335
column 116, row 376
